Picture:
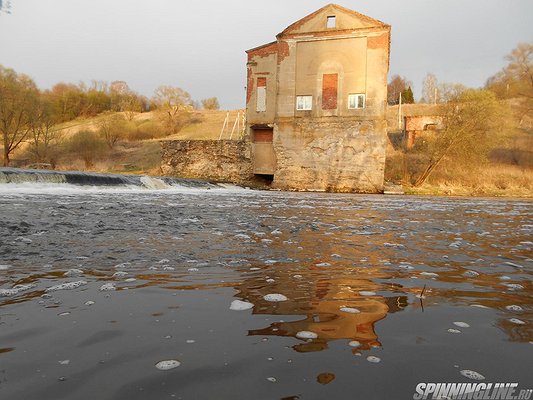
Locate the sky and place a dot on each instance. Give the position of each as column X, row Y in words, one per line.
column 200, row 45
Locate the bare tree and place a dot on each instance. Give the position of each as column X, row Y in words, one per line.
column 18, row 100
column 211, row 103
column 449, row 91
column 111, row 128
column 44, row 134
column 87, row 145
column 430, row 89
column 396, row 86
column 520, row 67
column 469, row 121
column 173, row 107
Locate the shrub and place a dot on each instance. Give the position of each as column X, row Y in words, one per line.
column 87, row 145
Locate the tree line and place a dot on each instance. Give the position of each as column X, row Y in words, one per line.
column 30, row 115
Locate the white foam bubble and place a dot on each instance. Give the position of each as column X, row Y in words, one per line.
column 64, row 362
column 89, row 303
column 16, row 290
column 367, row 293
column 67, row 286
column 470, row 274
column 373, row 359
column 73, row 272
column 306, row 335
column 165, row 365
column 514, row 307
column 476, row 376
column 275, row 297
column 406, row 267
column 461, row 324
column 272, row 379
column 394, row 245
column 514, row 286
column 354, row 343
column 107, row 287
column 431, row 274
column 451, row 330
column 517, row 321
column 350, row 310
column 324, row 264
column 4, row 267
column 270, row 280
column 239, row 305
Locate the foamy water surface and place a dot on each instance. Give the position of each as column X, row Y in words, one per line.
column 236, row 294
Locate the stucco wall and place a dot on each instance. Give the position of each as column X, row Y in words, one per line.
column 214, row 160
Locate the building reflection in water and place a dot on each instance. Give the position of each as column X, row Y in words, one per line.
column 321, row 311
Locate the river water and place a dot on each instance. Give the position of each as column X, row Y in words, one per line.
column 381, row 293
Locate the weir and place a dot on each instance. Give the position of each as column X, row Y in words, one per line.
column 21, row 176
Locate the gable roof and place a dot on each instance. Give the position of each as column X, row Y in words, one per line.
column 364, row 21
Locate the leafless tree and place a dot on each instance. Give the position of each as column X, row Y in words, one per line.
column 173, row 107
column 470, row 121
column 430, row 89
column 18, row 101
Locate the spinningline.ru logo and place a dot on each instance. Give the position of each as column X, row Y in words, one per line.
column 474, row 391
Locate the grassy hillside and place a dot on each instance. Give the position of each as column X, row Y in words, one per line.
column 508, row 172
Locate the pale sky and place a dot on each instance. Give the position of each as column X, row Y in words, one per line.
column 200, row 45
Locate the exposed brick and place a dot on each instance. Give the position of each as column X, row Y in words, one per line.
column 378, row 42
column 329, row 91
column 283, row 50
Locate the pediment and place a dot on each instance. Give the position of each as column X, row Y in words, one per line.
column 344, row 19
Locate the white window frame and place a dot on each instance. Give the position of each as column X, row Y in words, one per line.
column 353, row 101
column 304, row 103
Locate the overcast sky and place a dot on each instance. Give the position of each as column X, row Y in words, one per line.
column 199, row 45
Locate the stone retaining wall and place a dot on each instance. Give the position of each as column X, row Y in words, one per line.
column 214, row 160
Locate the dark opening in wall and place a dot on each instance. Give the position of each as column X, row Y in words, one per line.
column 263, row 179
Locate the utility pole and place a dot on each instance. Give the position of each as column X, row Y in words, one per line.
column 400, row 112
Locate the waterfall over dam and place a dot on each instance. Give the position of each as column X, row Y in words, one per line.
column 17, row 176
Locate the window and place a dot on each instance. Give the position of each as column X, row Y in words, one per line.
column 356, row 101
column 332, row 21
column 261, row 105
column 304, row 103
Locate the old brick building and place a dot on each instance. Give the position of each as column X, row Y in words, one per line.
column 316, row 101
